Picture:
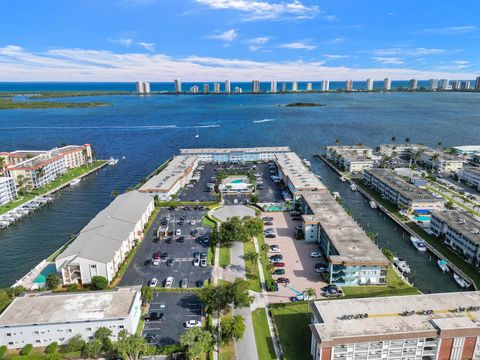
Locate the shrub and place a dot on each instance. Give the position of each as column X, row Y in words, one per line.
column 75, row 344
column 27, row 349
column 51, row 348
column 73, row 288
column 99, row 283
column 3, row 351
column 52, row 281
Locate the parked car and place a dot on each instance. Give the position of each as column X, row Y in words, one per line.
column 181, row 239
column 330, row 287
column 164, row 255
column 270, row 236
column 298, row 297
column 155, row 316
column 314, row 254
column 278, row 272
column 199, row 283
column 196, row 262
column 278, row 264
column 206, row 239
column 203, row 255
column 192, row 323
column 276, row 257
column 268, row 223
column 169, row 262
column 168, row 240
column 275, row 248
column 184, row 283
column 203, row 262
column 267, row 218
column 154, row 282
column 321, row 267
column 296, row 218
column 283, row 280
column 178, row 232
column 269, row 230
column 157, row 255
column 332, row 293
column 169, row 282
column 156, row 262
column 150, row 338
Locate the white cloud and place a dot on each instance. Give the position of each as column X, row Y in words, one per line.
column 257, row 10
column 408, row 51
column 389, row 60
column 261, row 40
column 335, row 56
column 451, row 30
column 334, row 41
column 298, row 45
column 147, row 46
column 19, row 64
column 227, row 36
column 125, row 41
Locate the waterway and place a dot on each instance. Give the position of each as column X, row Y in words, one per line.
column 149, row 129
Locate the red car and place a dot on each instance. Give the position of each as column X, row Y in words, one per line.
column 157, row 255
column 279, row 264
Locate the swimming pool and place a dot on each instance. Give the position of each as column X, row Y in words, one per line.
column 422, row 218
column 276, row 208
column 42, row 277
column 237, row 181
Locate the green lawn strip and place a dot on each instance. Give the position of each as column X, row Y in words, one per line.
column 385, row 203
column 208, row 222
column 292, row 322
column 251, row 269
column 263, row 338
column 61, row 180
column 395, row 286
column 227, row 351
column 224, row 255
column 264, row 259
column 453, row 201
column 463, row 197
column 456, row 259
column 10, row 104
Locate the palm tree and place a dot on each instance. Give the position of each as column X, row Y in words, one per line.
column 309, row 293
column 337, row 142
column 407, row 140
column 439, row 145
column 394, row 139
column 115, row 193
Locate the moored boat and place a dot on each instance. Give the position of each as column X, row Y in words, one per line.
column 401, row 265
column 443, row 265
column 353, row 187
column 75, row 182
column 419, row 244
column 460, row 281
column 112, row 161
column 373, row 204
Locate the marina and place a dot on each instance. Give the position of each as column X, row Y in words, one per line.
column 19, row 213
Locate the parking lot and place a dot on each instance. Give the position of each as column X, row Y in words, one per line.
column 197, row 192
column 178, row 262
column 271, row 192
column 176, row 307
column 299, row 267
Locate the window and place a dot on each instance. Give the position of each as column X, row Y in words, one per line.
column 9, row 334
column 10, row 343
column 35, row 332
column 122, row 327
column 93, row 266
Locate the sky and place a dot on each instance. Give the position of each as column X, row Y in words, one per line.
column 240, row 40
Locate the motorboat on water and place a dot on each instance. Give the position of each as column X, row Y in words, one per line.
column 343, row 179
column 443, row 265
column 307, row 163
column 112, row 161
column 75, row 182
column 373, row 204
column 319, row 177
column 401, row 265
column 336, row 195
column 419, row 244
column 353, row 187
column 460, row 281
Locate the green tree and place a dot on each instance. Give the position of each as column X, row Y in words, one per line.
column 16, row 291
column 449, row 205
column 51, row 348
column 131, row 347
column 26, row 350
column 99, row 283
column 3, row 351
column 394, row 139
column 253, row 226
column 407, row 140
column 232, row 230
column 75, row 344
column 251, row 256
column 232, row 327
column 52, row 282
column 147, row 295
column 220, row 297
column 310, row 294
column 104, row 335
column 92, row 349
column 115, row 193
column 265, row 247
column 254, row 198
column 197, row 342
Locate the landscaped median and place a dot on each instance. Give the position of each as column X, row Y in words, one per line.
column 265, row 348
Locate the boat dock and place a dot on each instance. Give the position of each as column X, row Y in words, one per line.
column 392, row 216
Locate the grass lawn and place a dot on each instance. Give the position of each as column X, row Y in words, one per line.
column 227, row 352
column 446, row 197
column 292, row 322
column 385, row 203
column 264, row 260
column 395, row 286
column 263, row 339
column 224, row 255
column 207, row 222
column 251, row 269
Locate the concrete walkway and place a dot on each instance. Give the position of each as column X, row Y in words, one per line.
column 236, row 269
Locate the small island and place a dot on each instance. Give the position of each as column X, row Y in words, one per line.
column 9, row 104
column 302, row 104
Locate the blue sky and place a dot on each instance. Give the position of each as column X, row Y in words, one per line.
column 200, row 40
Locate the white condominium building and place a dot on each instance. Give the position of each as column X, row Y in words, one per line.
column 471, row 176
column 143, row 87
column 442, row 161
column 309, row 86
column 294, row 86
column 8, row 190
column 477, row 83
column 205, row 88
column 216, row 88
column 227, row 87
column 433, row 84
column 273, row 87
column 413, row 84
column 325, row 85
column 369, row 84
column 349, row 85
column 177, row 86
column 194, row 89
column 387, row 84
column 255, row 86
column 42, row 318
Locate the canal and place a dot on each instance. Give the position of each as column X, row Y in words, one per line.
column 425, row 274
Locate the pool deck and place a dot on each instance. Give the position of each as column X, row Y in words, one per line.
column 28, row 280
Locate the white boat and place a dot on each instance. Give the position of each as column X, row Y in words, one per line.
column 373, row 204
column 319, row 177
column 419, row 244
column 443, row 265
column 336, row 195
column 75, row 182
column 353, row 187
column 401, row 265
column 307, row 163
column 460, row 281
column 112, row 161
column 343, row 179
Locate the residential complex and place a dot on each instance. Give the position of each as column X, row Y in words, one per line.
column 177, row 86
column 355, row 158
column 255, row 86
column 294, row 86
column 400, row 192
column 413, row 84
column 369, row 86
column 460, row 231
column 353, row 258
column 400, row 149
column 273, row 87
column 104, row 243
column 387, row 84
column 143, row 87
column 441, row 161
column 434, row 326
column 349, row 85
column 471, row 176
column 325, row 85
column 227, row 87
column 8, row 190
column 432, row 84
column 216, row 88
column 42, row 318
column 36, row 168
column 468, row 151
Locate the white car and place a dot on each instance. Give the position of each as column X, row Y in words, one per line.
column 275, row 249
column 156, row 262
column 314, row 254
column 196, row 262
column 153, row 282
column 178, row 232
column 192, row 222
column 169, row 282
column 192, row 323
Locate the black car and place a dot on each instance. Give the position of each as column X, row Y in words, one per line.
column 206, row 239
column 150, row 338
column 276, row 257
column 283, row 280
column 164, row 255
column 168, row 240
column 156, row 239
column 267, row 218
column 199, row 283
column 180, row 223
column 148, row 262
column 203, row 255
column 164, row 222
column 268, row 223
column 169, row 262
column 329, row 288
column 154, row 316
column 270, row 236
column 296, row 218
column 181, row 239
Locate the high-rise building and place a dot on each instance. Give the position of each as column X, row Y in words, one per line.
column 465, row 85
column 273, row 87
column 349, row 85
column 456, row 85
column 227, row 87
column 177, row 86
column 206, row 88
column 443, row 84
column 294, row 86
column 194, row 89
column 369, row 84
column 325, row 85
column 284, row 87
column 255, row 86
column 238, row 90
column 477, row 83
column 143, row 87
column 309, row 86
column 413, row 84
column 146, row 87
column 216, row 88
column 432, row 84
column 387, row 84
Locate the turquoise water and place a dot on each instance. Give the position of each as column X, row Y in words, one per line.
column 275, row 208
column 42, row 277
column 422, row 218
column 237, row 181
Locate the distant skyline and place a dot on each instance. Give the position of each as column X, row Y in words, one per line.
column 240, row 40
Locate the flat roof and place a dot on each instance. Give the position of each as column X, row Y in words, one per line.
column 472, row 170
column 176, row 169
column 41, row 157
column 351, row 243
column 234, row 150
column 465, row 224
column 47, row 308
column 443, row 156
column 405, row 188
column 385, row 319
column 299, row 175
column 4, row 179
column 467, row 148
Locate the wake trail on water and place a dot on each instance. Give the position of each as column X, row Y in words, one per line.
column 137, row 127
column 263, row 121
